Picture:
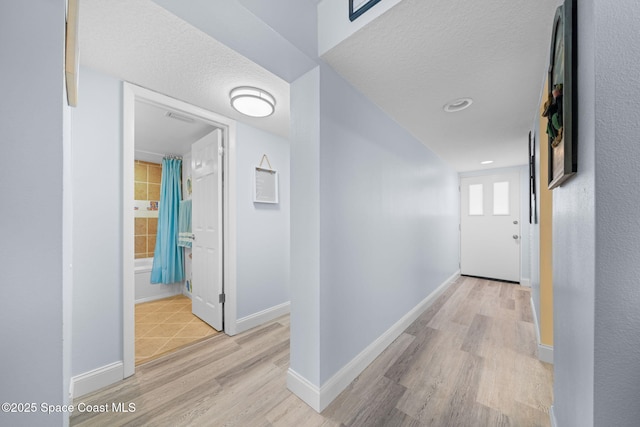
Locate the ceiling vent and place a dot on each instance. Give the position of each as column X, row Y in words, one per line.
column 180, row 117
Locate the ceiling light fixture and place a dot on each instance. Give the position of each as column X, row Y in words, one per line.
column 252, row 101
column 458, row 105
column 486, row 162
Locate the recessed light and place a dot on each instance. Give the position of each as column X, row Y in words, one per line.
column 252, row 101
column 458, row 105
column 486, row 162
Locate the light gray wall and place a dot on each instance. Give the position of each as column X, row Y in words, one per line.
column 97, row 231
column 263, row 229
column 96, row 129
column 305, row 226
column 596, row 232
column 617, row 200
column 292, row 19
column 574, row 259
column 525, row 227
column 389, row 214
column 32, row 125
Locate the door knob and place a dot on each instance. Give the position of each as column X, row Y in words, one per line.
column 515, row 236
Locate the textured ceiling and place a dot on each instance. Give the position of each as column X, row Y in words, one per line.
column 410, row 61
column 420, row 55
column 142, row 43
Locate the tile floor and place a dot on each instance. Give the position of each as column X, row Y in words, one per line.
column 166, row 325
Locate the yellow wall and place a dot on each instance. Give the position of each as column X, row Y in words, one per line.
column 546, row 267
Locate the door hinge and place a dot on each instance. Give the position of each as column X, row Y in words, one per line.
column 221, row 298
column 221, row 151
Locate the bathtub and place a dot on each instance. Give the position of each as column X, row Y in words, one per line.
column 145, row 291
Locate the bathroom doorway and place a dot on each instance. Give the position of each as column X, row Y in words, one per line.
column 158, row 302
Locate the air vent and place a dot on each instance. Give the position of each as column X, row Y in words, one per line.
column 180, row 117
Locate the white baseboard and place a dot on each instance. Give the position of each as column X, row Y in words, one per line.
column 94, row 380
column 552, row 417
column 320, row 398
column 261, row 317
column 169, row 293
column 525, row 282
column 301, row 387
column 545, row 352
column 534, row 314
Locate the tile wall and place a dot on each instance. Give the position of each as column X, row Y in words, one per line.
column 147, row 196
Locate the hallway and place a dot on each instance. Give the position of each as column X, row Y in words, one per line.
column 468, row 360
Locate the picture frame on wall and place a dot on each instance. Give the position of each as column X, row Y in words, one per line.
column 560, row 105
column 533, row 211
column 72, row 55
column 358, row 7
column 265, row 185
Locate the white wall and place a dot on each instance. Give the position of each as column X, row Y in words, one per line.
column 293, row 25
column 389, row 215
column 574, row 259
column 617, row 198
column 596, row 231
column 263, row 229
column 374, row 228
column 97, row 212
column 97, row 185
column 34, row 358
column 305, row 227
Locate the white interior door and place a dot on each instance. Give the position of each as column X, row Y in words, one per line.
column 490, row 226
column 207, row 229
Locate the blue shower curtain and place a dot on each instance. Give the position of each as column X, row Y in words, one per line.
column 168, row 266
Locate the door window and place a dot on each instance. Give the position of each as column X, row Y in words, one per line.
column 501, row 198
column 475, row 199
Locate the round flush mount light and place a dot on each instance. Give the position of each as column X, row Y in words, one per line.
column 458, row 105
column 486, row 162
column 252, row 101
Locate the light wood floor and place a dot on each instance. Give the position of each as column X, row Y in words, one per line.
column 469, row 360
column 165, row 325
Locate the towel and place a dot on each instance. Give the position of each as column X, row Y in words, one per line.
column 185, row 238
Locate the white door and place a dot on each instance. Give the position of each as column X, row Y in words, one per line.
column 490, row 226
column 207, row 229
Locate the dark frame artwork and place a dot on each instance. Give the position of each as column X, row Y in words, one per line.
column 560, row 107
column 533, row 209
column 361, row 7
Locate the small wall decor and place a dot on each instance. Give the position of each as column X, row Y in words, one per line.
column 265, row 183
column 533, row 211
column 560, row 107
column 189, row 186
column 72, row 56
column 358, row 7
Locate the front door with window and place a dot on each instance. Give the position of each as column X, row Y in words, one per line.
column 490, row 226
